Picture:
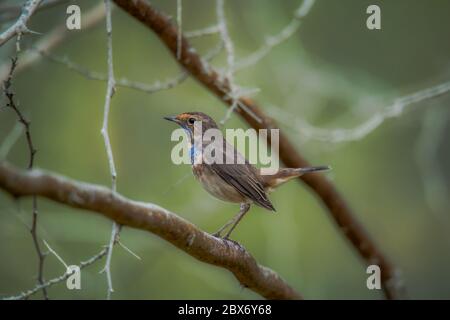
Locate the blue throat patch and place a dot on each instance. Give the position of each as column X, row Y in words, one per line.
column 192, row 153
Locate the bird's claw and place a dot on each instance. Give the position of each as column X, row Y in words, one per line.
column 226, row 238
column 234, row 242
column 216, row 235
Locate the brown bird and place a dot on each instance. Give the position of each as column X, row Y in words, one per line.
column 235, row 181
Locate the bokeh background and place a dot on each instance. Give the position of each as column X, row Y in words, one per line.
column 332, row 73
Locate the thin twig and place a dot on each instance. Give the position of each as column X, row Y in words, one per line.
column 50, row 249
column 32, row 152
column 11, row 104
column 59, row 279
column 271, row 42
column 129, row 250
column 109, row 94
column 122, row 82
column 10, row 12
column 41, row 255
column 202, row 32
column 396, row 109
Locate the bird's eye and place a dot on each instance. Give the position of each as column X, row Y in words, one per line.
column 191, row 120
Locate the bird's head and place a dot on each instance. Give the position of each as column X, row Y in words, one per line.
column 187, row 120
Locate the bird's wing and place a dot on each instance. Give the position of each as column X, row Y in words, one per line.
column 243, row 177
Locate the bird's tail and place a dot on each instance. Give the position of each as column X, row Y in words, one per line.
column 285, row 174
column 312, row 169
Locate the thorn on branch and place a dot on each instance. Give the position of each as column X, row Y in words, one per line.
column 19, row 27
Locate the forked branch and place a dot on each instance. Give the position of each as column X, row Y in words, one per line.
column 20, row 26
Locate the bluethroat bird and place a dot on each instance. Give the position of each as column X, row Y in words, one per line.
column 232, row 181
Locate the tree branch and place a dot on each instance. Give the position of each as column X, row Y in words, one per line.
column 248, row 109
column 20, row 26
column 152, row 218
column 110, row 90
column 9, row 12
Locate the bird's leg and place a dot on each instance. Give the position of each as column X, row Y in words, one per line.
column 244, row 209
column 219, row 232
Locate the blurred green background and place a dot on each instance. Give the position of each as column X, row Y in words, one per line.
column 333, row 73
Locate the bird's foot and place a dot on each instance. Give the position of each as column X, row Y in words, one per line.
column 217, row 235
column 228, row 240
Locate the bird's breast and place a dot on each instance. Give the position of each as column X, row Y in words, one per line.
column 215, row 185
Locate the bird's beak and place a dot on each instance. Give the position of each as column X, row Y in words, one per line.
column 173, row 119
